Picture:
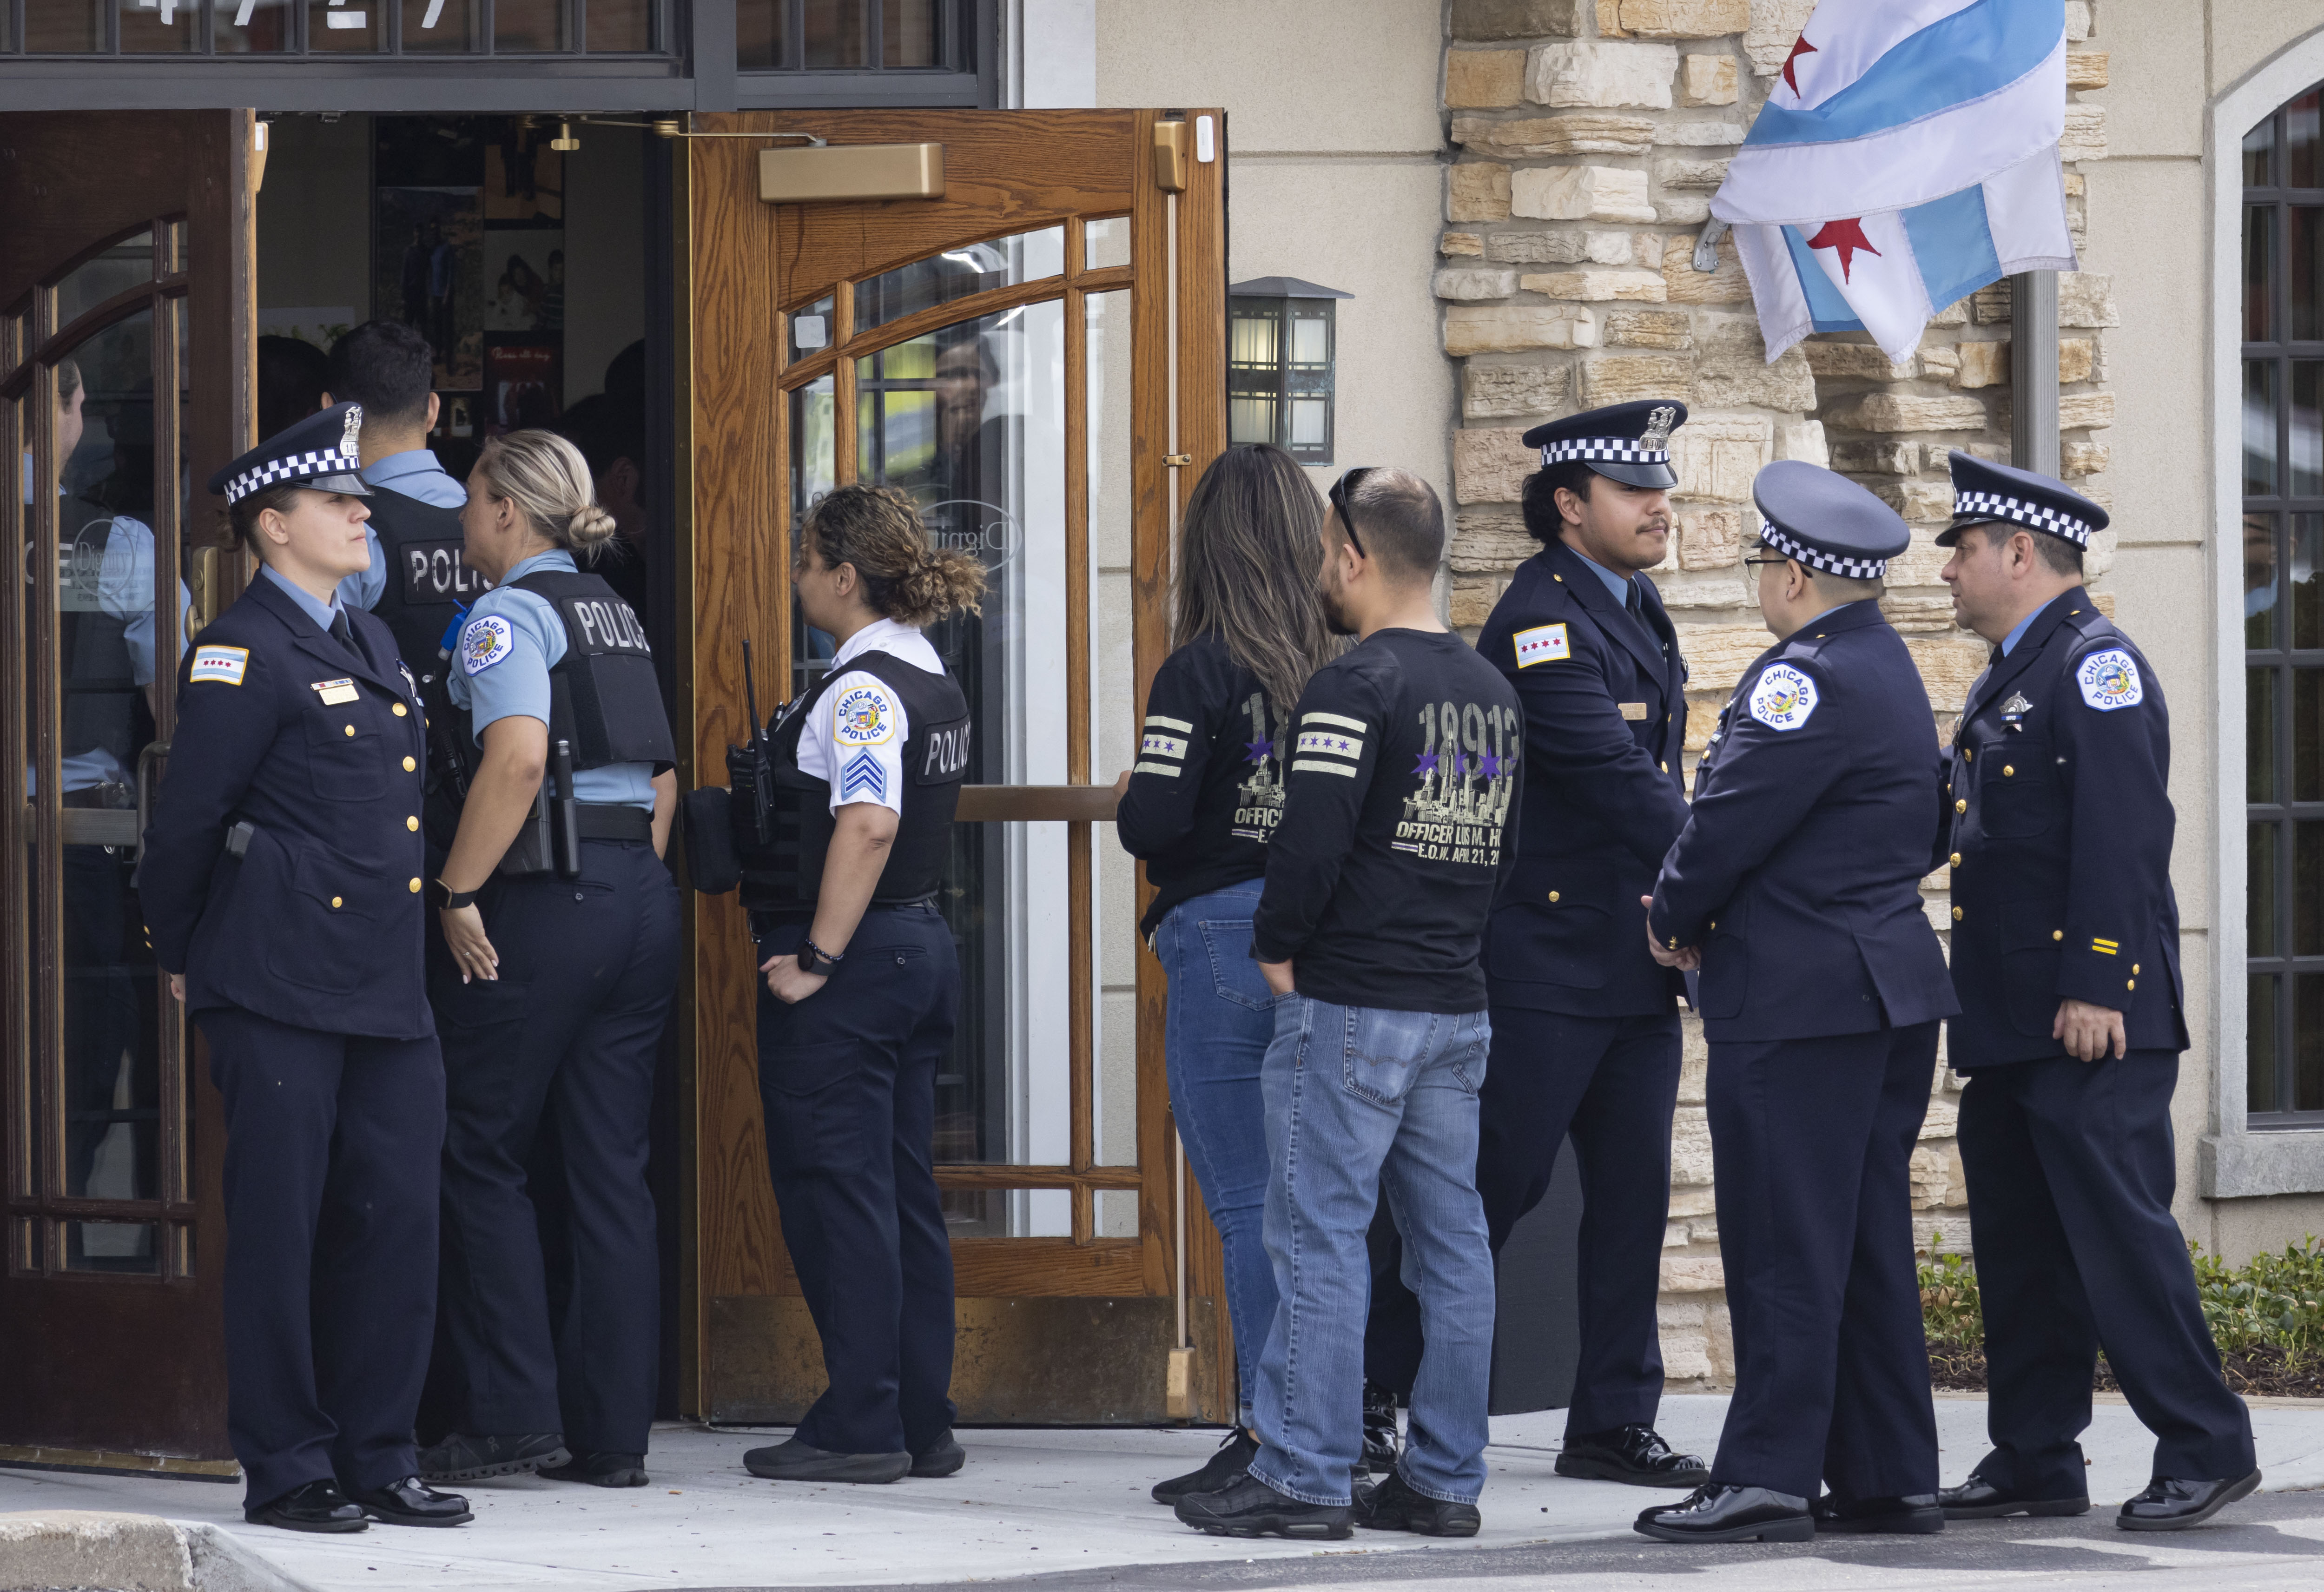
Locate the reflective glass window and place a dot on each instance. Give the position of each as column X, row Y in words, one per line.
column 90, row 283
column 956, row 274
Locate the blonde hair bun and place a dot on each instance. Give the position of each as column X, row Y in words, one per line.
column 589, row 529
column 548, row 481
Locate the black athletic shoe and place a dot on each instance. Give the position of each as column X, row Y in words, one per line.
column 1390, row 1505
column 1250, row 1508
column 1915, row 1514
column 1719, row 1513
column 460, row 1458
column 1978, row 1499
column 797, row 1461
column 1633, row 1454
column 1220, row 1471
column 2169, row 1505
column 943, row 1456
column 603, row 1469
column 1379, row 1430
column 317, row 1506
column 410, row 1502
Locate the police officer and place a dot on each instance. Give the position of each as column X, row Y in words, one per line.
column 552, row 978
column 862, row 984
column 1585, row 1026
column 2056, row 820
column 281, row 883
column 1796, row 888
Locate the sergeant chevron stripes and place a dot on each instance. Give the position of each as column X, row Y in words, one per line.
column 1329, row 736
column 865, row 775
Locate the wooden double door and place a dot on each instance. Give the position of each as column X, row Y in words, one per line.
column 1038, row 358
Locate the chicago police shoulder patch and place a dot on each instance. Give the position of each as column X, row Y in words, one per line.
column 486, row 642
column 1784, row 699
column 2109, row 680
column 863, row 717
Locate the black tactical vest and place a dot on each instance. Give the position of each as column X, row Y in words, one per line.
column 428, row 581
column 99, row 688
column 936, row 748
column 603, row 695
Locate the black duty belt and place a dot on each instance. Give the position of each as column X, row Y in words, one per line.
column 605, row 820
column 765, row 920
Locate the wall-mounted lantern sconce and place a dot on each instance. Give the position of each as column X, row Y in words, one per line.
column 1280, row 362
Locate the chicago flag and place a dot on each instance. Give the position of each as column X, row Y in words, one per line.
column 1906, row 156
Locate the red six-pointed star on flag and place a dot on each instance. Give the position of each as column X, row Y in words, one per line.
column 1800, row 47
column 1846, row 237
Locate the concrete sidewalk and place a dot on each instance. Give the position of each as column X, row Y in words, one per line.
column 1038, row 1502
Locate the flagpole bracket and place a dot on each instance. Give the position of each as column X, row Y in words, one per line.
column 1706, row 247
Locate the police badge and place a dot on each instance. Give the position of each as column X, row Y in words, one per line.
column 350, row 440
column 1657, row 438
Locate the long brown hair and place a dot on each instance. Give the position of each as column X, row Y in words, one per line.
column 877, row 529
column 1248, row 568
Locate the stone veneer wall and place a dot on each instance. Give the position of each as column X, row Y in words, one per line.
column 1585, row 138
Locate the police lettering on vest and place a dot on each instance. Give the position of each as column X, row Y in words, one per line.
column 603, row 696
column 431, row 580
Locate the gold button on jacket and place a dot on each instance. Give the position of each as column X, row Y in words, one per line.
column 1960, row 806
column 412, row 825
column 408, row 765
column 1957, row 915
column 415, row 886
column 1956, row 859
column 401, row 711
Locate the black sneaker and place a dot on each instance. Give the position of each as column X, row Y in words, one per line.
column 943, row 1456
column 461, row 1457
column 1390, row 1505
column 1379, row 1430
column 603, row 1469
column 1250, row 1508
column 1221, row 1470
column 797, row 1461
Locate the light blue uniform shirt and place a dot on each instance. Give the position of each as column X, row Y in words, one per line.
column 322, row 613
column 1620, row 585
column 2010, row 640
column 125, row 591
column 415, row 475
column 503, row 674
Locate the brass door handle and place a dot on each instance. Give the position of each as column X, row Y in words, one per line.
column 154, row 751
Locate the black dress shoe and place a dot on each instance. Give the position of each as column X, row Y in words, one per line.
column 1633, row 1454
column 317, row 1506
column 409, row 1502
column 1220, row 1471
column 1379, row 1430
column 797, row 1461
column 1390, row 1505
column 1250, row 1508
column 1719, row 1513
column 943, row 1456
column 1978, row 1499
column 1915, row 1514
column 2170, row 1504
column 461, row 1457
column 601, row 1468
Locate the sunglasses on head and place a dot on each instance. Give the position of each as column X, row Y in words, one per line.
column 1342, row 490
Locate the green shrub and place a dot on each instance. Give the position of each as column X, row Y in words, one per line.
column 1951, row 1311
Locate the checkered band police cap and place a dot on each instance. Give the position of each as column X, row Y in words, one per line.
column 322, row 451
column 1826, row 522
column 1620, row 450
column 1625, row 442
column 1984, row 491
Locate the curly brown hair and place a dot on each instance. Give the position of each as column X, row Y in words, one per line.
column 905, row 577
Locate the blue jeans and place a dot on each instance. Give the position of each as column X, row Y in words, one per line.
column 1220, row 1019
column 1359, row 1098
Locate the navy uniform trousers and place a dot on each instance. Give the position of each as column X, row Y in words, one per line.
column 2071, row 1168
column 569, row 1032
column 1612, row 1084
column 330, row 1263
column 847, row 1078
column 1814, row 1140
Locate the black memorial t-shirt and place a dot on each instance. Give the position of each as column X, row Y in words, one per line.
column 1208, row 784
column 1399, row 820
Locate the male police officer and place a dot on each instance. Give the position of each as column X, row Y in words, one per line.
column 2056, row 820
column 1585, row 1026
column 1796, row 888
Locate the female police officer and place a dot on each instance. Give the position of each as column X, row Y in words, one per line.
column 280, row 886
column 860, row 985
column 552, row 981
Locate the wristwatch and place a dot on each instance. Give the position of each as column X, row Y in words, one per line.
column 814, row 959
column 448, row 900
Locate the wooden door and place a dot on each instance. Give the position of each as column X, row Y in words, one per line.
column 1039, row 358
column 125, row 345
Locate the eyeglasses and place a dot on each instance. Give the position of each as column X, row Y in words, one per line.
column 1342, row 490
column 1762, row 563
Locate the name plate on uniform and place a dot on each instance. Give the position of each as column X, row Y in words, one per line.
column 1634, row 710
column 439, row 572
column 335, row 692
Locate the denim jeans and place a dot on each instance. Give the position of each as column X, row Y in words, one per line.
column 1361, row 1100
column 1219, row 1019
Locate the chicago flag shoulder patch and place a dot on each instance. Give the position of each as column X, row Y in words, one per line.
column 1541, row 644
column 1784, row 699
column 2109, row 680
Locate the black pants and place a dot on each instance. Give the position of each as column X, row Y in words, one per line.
column 1812, row 1139
column 2071, row 1170
column 847, row 1078
column 567, row 1033
column 330, row 1261
column 1612, row 1084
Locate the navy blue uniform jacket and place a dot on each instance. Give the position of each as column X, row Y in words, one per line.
column 2055, row 816
column 1605, row 710
column 320, row 922
column 1799, row 873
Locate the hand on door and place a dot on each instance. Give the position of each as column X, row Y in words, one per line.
column 177, row 988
